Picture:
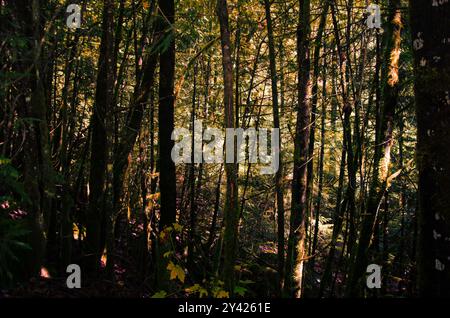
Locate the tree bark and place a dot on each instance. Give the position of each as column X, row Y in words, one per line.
column 167, row 182
column 231, row 211
column 99, row 141
column 276, row 124
column 297, row 235
column 431, row 40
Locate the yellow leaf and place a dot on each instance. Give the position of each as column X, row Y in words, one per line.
column 193, row 289
column 203, row 292
column 176, row 271
column 180, row 274
column 222, row 294
column 197, row 289
column 170, row 266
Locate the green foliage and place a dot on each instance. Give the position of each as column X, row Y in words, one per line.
column 240, row 291
column 197, row 289
column 11, row 244
column 214, row 288
column 160, row 294
column 9, row 182
column 12, row 228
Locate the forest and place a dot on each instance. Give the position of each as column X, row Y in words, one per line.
column 225, row 148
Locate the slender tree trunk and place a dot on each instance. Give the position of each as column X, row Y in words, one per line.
column 212, row 229
column 320, row 169
column 167, row 177
column 167, row 182
column 337, row 226
column 385, row 251
column 276, row 122
column 314, row 98
column 231, row 211
column 99, row 142
column 297, row 235
column 237, row 47
column 399, row 256
column 192, row 192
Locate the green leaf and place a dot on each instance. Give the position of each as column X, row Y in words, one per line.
column 239, row 290
column 4, row 161
column 160, row 294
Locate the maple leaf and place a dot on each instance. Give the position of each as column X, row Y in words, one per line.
column 176, row 271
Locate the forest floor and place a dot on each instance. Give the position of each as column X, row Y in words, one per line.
column 56, row 288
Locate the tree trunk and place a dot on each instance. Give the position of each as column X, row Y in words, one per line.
column 320, row 168
column 279, row 173
column 231, row 211
column 314, row 98
column 431, row 41
column 296, row 244
column 192, row 192
column 99, row 142
column 167, row 182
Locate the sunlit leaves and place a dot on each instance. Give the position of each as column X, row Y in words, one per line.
column 222, row 294
column 176, row 271
column 197, row 289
